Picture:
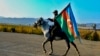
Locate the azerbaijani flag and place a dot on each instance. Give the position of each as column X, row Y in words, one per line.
column 67, row 22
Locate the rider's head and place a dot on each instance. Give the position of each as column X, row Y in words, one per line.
column 55, row 12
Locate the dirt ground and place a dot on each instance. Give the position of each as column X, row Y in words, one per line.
column 17, row 44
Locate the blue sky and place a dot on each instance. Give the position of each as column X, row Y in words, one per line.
column 85, row 11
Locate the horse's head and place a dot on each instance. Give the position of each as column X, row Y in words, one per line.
column 39, row 22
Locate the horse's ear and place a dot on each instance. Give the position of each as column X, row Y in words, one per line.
column 41, row 18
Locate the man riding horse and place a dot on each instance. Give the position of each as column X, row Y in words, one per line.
column 56, row 32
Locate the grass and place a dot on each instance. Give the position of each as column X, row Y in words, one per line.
column 85, row 33
column 90, row 34
column 20, row 29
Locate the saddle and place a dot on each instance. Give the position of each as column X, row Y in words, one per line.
column 57, row 33
column 56, row 30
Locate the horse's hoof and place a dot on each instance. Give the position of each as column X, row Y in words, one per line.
column 44, row 51
column 50, row 53
column 64, row 55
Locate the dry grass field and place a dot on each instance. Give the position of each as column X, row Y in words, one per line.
column 20, row 29
column 85, row 33
column 90, row 34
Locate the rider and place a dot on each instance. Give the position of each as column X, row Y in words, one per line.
column 56, row 25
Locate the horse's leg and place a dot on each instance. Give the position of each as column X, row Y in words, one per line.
column 75, row 47
column 44, row 45
column 68, row 44
column 51, row 48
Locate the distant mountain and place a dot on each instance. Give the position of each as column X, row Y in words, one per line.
column 30, row 21
column 89, row 25
column 18, row 21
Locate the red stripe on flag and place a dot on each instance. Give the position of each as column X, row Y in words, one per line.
column 68, row 21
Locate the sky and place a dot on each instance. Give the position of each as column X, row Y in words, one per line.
column 85, row 11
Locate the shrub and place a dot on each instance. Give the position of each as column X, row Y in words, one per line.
column 4, row 29
column 13, row 30
column 95, row 36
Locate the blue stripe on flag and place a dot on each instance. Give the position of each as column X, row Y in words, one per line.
column 70, row 13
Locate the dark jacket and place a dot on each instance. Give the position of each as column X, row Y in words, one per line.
column 56, row 24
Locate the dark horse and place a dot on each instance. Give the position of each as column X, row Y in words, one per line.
column 57, row 35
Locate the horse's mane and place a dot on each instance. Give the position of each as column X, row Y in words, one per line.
column 45, row 25
column 45, row 22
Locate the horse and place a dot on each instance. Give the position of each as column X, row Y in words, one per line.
column 57, row 35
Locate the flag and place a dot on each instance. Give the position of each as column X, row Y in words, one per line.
column 67, row 22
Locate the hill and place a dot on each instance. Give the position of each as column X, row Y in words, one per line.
column 18, row 21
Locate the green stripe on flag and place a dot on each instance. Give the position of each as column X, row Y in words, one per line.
column 64, row 27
